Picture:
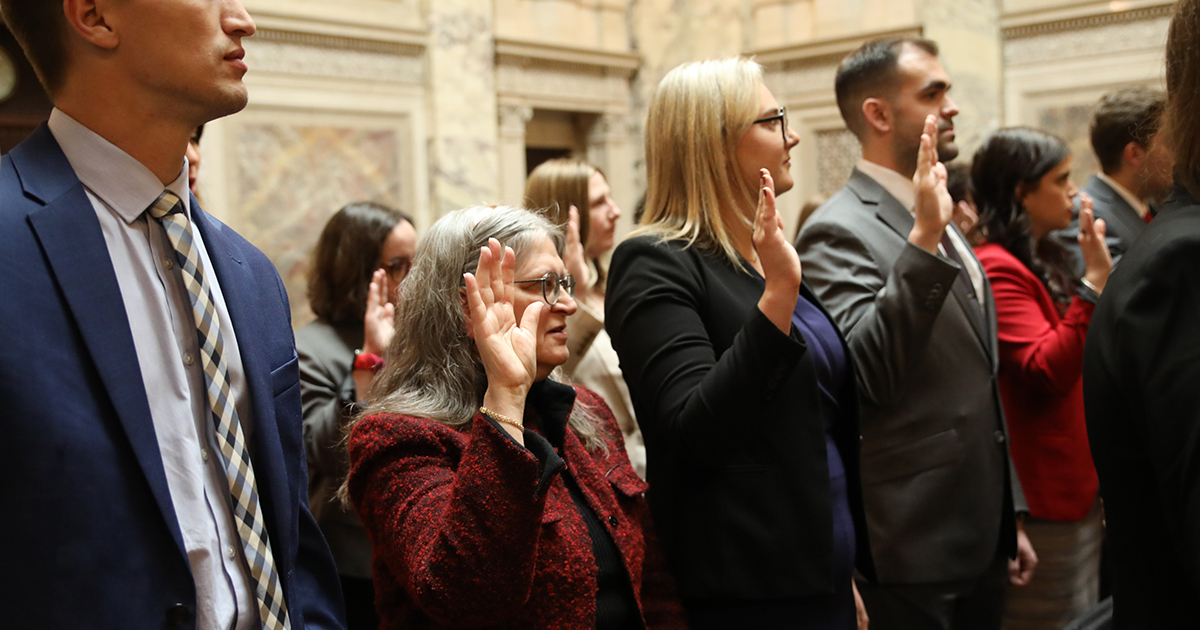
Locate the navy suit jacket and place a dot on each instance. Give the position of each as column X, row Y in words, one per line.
column 89, row 537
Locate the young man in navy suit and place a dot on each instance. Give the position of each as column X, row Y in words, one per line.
column 149, row 390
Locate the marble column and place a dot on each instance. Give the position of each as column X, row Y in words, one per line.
column 610, row 147
column 968, row 34
column 464, row 156
column 513, row 117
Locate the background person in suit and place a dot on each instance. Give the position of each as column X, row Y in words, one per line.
column 1023, row 188
column 362, row 255
column 148, row 379
column 1141, row 367
column 940, row 498
column 1135, row 168
column 744, row 388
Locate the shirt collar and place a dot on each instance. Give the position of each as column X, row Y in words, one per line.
column 119, row 180
column 1138, row 205
column 894, row 183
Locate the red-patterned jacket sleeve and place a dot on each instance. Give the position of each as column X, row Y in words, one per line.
column 454, row 516
column 1045, row 351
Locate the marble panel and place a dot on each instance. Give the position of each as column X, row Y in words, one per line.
column 1071, row 122
column 464, row 123
column 292, row 178
column 837, row 152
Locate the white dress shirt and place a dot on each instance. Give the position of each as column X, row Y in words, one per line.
column 901, row 188
column 1138, row 205
column 164, row 335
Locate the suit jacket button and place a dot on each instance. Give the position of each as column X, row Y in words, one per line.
column 999, row 435
column 178, row 614
column 612, row 520
column 937, row 287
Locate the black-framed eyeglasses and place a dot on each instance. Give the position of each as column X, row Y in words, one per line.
column 781, row 116
column 552, row 286
column 397, row 269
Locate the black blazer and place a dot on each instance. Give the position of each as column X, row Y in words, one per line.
column 1141, row 387
column 734, row 426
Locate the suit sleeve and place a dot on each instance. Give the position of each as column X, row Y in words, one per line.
column 1047, row 356
column 1158, row 343
column 887, row 318
column 458, row 530
column 317, row 596
column 688, row 394
column 327, row 403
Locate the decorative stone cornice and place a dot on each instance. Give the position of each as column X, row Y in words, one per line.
column 306, row 54
column 564, row 58
column 1089, row 16
column 820, row 51
column 339, row 42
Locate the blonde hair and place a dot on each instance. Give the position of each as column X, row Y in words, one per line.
column 556, row 185
column 698, row 115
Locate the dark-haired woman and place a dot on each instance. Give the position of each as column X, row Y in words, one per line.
column 1022, row 187
column 363, row 253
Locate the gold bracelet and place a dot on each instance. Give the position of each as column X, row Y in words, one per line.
column 501, row 418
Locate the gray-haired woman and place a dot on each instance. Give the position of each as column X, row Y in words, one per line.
column 495, row 496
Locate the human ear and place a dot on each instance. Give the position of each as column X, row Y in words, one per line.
column 91, row 20
column 1134, row 154
column 878, row 114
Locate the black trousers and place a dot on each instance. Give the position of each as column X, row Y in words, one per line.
column 359, row 594
column 975, row 604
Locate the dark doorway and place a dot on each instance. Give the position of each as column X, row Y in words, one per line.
column 534, row 156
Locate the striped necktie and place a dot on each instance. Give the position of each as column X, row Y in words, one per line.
column 272, row 610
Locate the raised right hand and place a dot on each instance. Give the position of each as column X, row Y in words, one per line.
column 779, row 260
column 1096, row 257
column 933, row 208
column 507, row 349
column 574, row 256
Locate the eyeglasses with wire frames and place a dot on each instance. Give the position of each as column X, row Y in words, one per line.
column 397, row 269
column 781, row 116
column 552, row 286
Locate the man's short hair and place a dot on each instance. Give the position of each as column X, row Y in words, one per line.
column 871, row 72
column 40, row 26
column 1127, row 115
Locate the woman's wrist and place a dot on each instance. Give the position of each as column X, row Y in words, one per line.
column 1095, row 282
column 778, row 305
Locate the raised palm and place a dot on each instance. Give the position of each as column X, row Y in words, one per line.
column 507, row 349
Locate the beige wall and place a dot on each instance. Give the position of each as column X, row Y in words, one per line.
column 429, row 104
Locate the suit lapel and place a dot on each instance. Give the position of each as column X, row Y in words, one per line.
column 975, row 309
column 240, row 291
column 69, row 232
column 894, row 215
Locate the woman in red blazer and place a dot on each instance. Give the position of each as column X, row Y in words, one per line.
column 494, row 496
column 1023, row 189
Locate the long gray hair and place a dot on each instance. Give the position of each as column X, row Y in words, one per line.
column 433, row 369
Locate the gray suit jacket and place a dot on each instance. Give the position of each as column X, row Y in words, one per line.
column 1122, row 222
column 327, row 392
column 935, row 468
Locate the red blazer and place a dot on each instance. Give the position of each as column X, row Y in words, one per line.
column 470, row 529
column 1041, row 385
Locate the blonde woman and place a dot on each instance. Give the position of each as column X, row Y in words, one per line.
column 743, row 387
column 575, row 195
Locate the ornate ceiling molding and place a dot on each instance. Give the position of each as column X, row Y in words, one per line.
column 1091, row 16
column 546, row 76
column 307, row 54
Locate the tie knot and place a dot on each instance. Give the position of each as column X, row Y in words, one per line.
column 167, row 203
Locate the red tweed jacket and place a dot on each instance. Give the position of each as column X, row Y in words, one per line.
column 470, row 529
column 1041, row 385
